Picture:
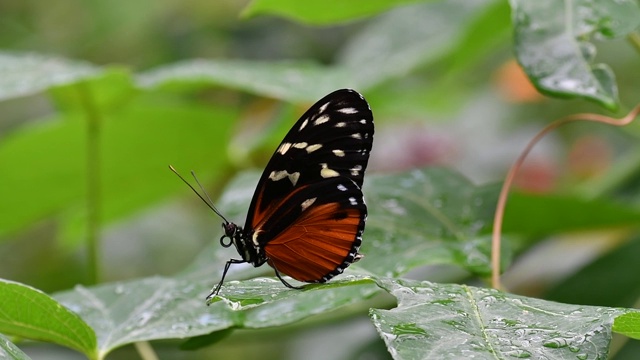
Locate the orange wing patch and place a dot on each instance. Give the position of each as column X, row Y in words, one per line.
column 316, row 244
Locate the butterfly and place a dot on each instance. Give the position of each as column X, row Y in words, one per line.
column 308, row 212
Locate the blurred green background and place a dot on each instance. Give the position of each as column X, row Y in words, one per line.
column 445, row 90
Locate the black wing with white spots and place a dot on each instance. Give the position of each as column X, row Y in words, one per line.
column 332, row 139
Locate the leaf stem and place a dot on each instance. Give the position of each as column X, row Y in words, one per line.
column 93, row 179
column 145, row 350
column 634, row 38
column 506, row 186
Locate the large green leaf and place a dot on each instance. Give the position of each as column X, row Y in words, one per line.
column 283, row 80
column 28, row 73
column 139, row 135
column 415, row 218
column 607, row 281
column 164, row 308
column 322, row 12
column 628, row 324
column 448, row 321
column 31, row 314
column 9, row 350
column 537, row 215
column 384, row 50
column 430, row 216
column 551, row 44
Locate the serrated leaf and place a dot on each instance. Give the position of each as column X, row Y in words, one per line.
column 32, row 314
column 628, row 324
column 321, row 12
column 24, row 74
column 551, row 44
column 9, row 350
column 436, row 321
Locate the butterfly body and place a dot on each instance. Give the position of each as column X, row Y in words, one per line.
column 308, row 213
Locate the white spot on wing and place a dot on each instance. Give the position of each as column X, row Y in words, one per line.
column 342, row 187
column 340, row 124
column 279, row 175
column 305, row 204
column 300, row 145
column 294, row 178
column 348, row 111
column 338, row 153
column 312, row 148
column 363, row 121
column 356, row 136
column 355, row 171
column 325, row 172
column 321, row 120
column 324, row 107
column 284, row 147
column 304, row 123
column 353, row 201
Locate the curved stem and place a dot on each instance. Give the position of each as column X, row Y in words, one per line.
column 506, row 186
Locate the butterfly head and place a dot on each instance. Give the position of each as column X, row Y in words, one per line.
column 231, row 231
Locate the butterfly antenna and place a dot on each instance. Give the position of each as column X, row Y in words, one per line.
column 206, row 200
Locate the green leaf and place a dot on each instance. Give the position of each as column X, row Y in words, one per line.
column 32, row 314
column 286, row 80
column 163, row 308
column 321, row 12
column 24, row 74
column 435, row 321
column 9, row 350
column 441, row 217
column 628, row 324
column 605, row 281
column 424, row 217
column 551, row 44
column 382, row 50
column 537, row 215
column 139, row 136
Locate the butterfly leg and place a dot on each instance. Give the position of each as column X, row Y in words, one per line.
column 283, row 280
column 216, row 289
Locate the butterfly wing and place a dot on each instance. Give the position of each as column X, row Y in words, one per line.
column 324, row 236
column 308, row 211
column 333, row 138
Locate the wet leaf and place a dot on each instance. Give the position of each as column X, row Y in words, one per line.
column 163, row 308
column 552, row 44
column 425, row 217
column 24, row 74
column 9, row 350
column 442, row 213
column 448, row 321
